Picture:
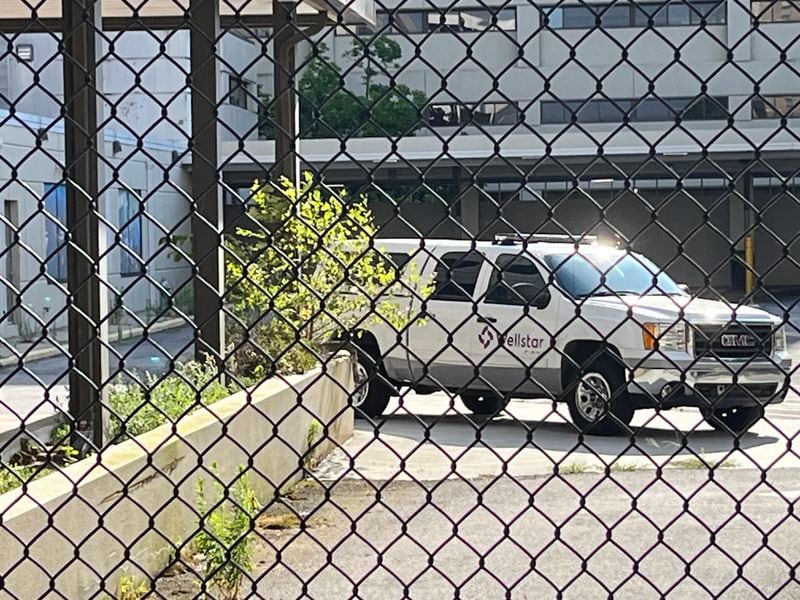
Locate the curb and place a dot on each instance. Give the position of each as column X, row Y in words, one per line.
column 128, row 332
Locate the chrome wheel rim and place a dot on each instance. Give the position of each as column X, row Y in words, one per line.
column 361, row 390
column 592, row 396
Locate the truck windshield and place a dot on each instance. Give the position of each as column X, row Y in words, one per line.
column 609, row 272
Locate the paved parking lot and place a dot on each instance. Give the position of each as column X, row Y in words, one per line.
column 36, row 391
column 629, row 535
column 428, row 433
column 431, row 437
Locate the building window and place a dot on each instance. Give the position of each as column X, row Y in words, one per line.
column 776, row 107
column 237, row 91
column 55, row 206
column 130, row 234
column 454, row 114
column 473, row 20
column 24, row 52
column 453, row 21
column 651, row 109
column 618, row 15
column 770, row 11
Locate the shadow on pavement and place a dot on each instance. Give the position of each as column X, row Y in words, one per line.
column 466, row 431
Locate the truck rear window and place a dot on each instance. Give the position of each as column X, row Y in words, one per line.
column 456, row 276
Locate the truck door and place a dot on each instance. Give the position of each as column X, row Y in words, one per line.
column 440, row 351
column 517, row 317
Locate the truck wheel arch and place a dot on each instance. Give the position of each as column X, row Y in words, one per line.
column 366, row 342
column 578, row 350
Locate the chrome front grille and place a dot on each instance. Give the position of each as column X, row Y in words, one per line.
column 733, row 340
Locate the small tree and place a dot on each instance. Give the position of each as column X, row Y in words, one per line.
column 266, row 116
column 306, row 271
column 328, row 109
column 375, row 57
column 394, row 110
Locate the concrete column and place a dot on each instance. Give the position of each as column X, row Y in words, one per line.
column 470, row 209
column 467, row 211
column 739, row 26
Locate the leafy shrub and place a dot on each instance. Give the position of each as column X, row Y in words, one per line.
column 61, row 433
column 13, row 477
column 295, row 287
column 137, row 409
column 225, row 532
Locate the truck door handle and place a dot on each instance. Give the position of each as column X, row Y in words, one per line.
column 486, row 319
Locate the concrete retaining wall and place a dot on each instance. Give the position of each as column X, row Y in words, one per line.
column 141, row 497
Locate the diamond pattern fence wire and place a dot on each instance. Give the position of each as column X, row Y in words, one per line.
column 404, row 299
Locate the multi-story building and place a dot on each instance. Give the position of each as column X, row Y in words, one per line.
column 145, row 100
column 548, row 116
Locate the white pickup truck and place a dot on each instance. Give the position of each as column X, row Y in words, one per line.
column 602, row 329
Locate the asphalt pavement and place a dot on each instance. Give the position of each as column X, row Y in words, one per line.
column 40, row 386
column 432, row 502
column 683, row 534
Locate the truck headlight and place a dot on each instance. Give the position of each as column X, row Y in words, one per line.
column 674, row 337
column 779, row 340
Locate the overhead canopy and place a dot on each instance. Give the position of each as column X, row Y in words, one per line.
column 36, row 15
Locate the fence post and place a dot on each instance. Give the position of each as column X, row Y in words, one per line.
column 207, row 213
column 287, row 115
column 87, row 300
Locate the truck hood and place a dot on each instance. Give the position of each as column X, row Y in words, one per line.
column 695, row 310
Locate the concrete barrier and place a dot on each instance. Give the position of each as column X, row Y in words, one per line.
column 84, row 527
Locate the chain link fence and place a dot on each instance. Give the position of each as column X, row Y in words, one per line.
column 399, row 299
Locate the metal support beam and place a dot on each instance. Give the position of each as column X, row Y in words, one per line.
column 207, row 214
column 287, row 113
column 741, row 222
column 87, row 301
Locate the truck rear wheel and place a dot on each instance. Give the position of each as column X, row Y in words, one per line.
column 598, row 401
column 370, row 396
column 483, row 403
column 737, row 419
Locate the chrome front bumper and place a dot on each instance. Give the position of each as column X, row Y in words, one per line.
column 718, row 383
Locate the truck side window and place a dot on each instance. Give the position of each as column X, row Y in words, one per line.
column 456, row 276
column 398, row 261
column 515, row 280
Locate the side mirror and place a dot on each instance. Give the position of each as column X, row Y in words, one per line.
column 531, row 294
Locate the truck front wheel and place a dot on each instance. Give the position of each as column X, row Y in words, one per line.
column 737, row 419
column 597, row 399
column 483, row 403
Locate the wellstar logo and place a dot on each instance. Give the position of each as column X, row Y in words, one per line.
column 485, row 337
column 521, row 341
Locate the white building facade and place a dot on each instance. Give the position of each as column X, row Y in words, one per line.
column 147, row 191
column 547, row 116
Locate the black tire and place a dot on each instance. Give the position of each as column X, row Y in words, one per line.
column 736, row 420
column 484, row 403
column 609, row 411
column 371, row 394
